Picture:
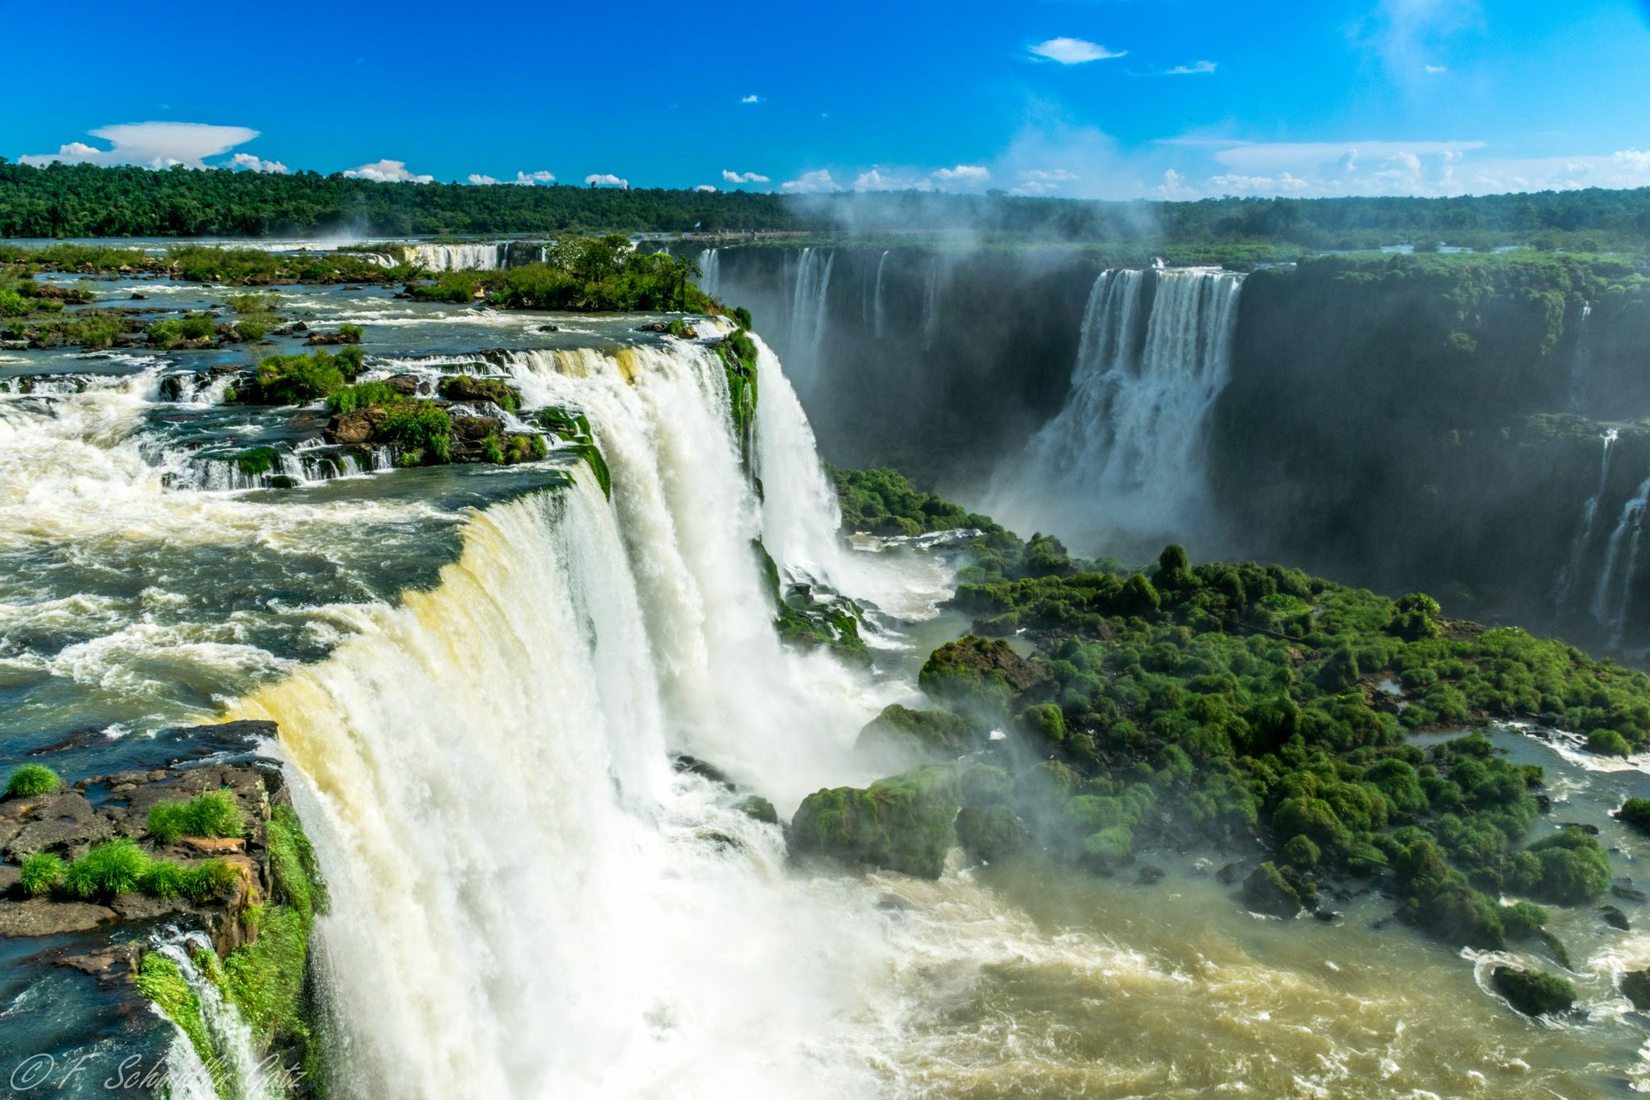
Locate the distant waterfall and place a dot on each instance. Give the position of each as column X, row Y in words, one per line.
column 1615, row 579
column 1571, row 573
column 1122, row 461
column 1581, row 365
column 931, row 305
column 710, row 271
column 813, row 280
column 879, row 311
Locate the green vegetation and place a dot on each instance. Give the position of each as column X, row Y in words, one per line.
column 161, row 980
column 738, row 355
column 120, row 866
column 583, row 274
column 87, row 200
column 1533, row 993
column 572, row 429
column 256, row 461
column 42, row 873
column 213, row 814
column 467, row 388
column 904, row 823
column 32, row 780
column 297, row 379
column 1636, row 813
column 423, row 431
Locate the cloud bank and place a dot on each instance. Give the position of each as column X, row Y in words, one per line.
column 152, row 145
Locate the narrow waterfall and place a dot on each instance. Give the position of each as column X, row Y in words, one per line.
column 879, row 312
column 1121, row 464
column 1581, row 364
column 813, row 281
column 1571, row 572
column 487, row 768
column 1615, row 579
column 710, row 271
column 931, row 304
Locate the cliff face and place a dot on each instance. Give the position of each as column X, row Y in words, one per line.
column 1396, row 422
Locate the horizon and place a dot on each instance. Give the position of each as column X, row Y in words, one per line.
column 1118, row 100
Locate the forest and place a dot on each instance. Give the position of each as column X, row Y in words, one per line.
column 93, row 201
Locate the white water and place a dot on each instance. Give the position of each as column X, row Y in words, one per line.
column 484, row 256
column 1581, row 366
column 1571, row 572
column 525, row 900
column 879, row 314
column 807, row 330
column 1611, row 598
column 710, row 271
column 931, row 304
column 238, row 1059
column 1123, row 459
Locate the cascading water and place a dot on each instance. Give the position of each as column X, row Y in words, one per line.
column 1122, row 460
column 879, row 312
column 710, row 272
column 1612, row 596
column 1581, row 365
column 807, row 329
column 931, row 304
column 1571, row 572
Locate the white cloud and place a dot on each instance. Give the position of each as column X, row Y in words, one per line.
column 1196, row 68
column 707, row 187
column 1042, row 181
column 809, row 183
column 246, row 162
column 752, row 98
column 1409, row 34
column 387, row 171
column 151, row 144
column 523, row 179
column 964, row 173
column 878, row 178
column 480, row 180
column 1073, row 51
column 743, row 177
column 606, row 179
column 1434, row 70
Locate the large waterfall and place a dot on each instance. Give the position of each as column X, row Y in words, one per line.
column 1121, row 464
column 527, row 899
column 807, row 320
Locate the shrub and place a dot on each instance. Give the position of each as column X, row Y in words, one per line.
column 113, row 867
column 1608, row 743
column 1567, row 868
column 364, row 395
column 42, row 872
column 213, row 814
column 190, row 328
column 425, row 430
column 1636, row 813
column 32, row 780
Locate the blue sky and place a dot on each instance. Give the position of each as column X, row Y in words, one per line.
column 1081, row 98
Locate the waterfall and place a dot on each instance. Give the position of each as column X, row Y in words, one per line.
column 710, row 271
column 1571, row 572
column 931, row 305
column 237, row 1063
column 1615, row 579
column 1123, row 459
column 879, row 313
column 1582, row 363
column 485, row 256
column 526, row 899
column 813, row 280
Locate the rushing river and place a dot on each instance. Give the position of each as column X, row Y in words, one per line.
column 481, row 676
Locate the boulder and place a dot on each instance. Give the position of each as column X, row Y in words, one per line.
column 356, row 427
column 1531, row 992
column 757, row 807
column 904, row 823
column 1270, row 892
column 901, row 730
column 1615, row 918
column 1635, row 986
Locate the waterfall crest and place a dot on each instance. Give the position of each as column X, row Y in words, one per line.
column 1121, row 464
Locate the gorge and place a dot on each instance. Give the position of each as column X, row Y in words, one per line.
column 568, row 724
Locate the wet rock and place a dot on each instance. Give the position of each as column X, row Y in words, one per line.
column 109, row 965
column 1635, row 986
column 692, row 765
column 1543, row 803
column 1580, row 827
column 904, row 823
column 901, row 730
column 1628, row 892
column 64, row 823
column 1149, row 875
column 1327, row 916
column 1269, row 892
column 759, row 808
column 136, row 297
column 356, row 427
column 1531, row 992
column 1230, row 873
column 40, row 917
column 548, row 328
column 1615, row 918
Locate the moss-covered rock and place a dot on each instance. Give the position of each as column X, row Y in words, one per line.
column 1272, row 891
column 1635, row 813
column 974, row 672
column 903, row 823
column 1531, row 992
column 901, row 729
column 1635, row 986
column 759, row 808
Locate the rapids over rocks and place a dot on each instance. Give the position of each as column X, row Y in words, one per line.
column 487, row 680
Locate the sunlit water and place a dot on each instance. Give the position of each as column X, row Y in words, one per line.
column 481, row 676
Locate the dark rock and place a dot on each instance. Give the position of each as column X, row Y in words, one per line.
column 1543, row 803
column 1531, row 992
column 473, row 429
column 1628, row 893
column 1328, row 916
column 1230, row 873
column 548, row 328
column 136, row 297
column 40, row 917
column 64, row 823
column 1615, row 918
column 692, row 765
column 1149, row 875
column 1269, row 892
column 1635, row 986
column 356, row 427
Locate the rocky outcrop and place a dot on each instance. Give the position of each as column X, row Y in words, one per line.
column 1531, row 992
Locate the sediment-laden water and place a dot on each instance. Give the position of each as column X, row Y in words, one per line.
column 482, row 676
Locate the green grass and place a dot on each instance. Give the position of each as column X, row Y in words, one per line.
column 32, row 780
column 213, row 814
column 118, row 867
column 42, row 872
